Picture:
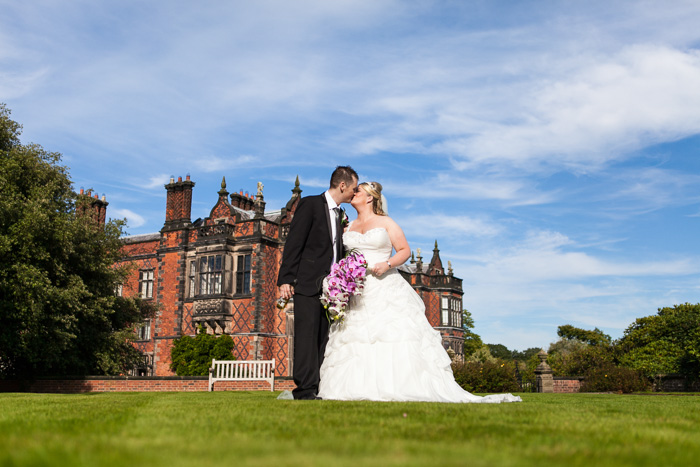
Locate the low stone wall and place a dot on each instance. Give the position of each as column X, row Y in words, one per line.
column 567, row 385
column 137, row 384
column 675, row 383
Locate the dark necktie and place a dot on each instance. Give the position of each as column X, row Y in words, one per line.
column 338, row 232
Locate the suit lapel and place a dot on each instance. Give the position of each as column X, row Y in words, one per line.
column 328, row 217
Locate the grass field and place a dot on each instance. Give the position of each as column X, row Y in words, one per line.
column 253, row 428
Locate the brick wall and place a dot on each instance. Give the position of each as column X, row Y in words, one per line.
column 136, row 384
column 565, row 385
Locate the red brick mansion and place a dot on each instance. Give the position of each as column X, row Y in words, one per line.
column 221, row 272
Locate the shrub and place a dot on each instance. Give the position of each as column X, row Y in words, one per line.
column 612, row 378
column 192, row 356
column 489, row 376
column 578, row 361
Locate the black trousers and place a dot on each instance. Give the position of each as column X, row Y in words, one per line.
column 310, row 339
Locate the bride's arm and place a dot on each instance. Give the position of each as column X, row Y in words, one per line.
column 398, row 241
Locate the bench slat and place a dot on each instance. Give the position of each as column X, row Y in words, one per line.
column 242, row 370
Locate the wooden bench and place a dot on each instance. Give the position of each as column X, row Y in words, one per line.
column 242, row 370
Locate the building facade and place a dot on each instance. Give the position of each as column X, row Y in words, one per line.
column 220, row 273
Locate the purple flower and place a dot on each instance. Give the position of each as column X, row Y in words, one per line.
column 345, row 279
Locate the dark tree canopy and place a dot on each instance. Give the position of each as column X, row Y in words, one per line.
column 192, row 356
column 472, row 341
column 668, row 342
column 594, row 337
column 58, row 311
column 500, row 351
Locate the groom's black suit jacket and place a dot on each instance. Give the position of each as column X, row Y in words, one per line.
column 308, row 252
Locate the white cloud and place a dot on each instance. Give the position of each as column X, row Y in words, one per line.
column 481, row 186
column 133, row 220
column 642, row 95
column 447, row 226
column 156, row 181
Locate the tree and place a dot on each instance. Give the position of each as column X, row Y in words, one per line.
column 526, row 354
column 192, row 356
column 668, row 342
column 58, row 311
column 472, row 341
column 500, row 351
column 594, row 337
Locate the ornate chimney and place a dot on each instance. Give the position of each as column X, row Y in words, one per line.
column 179, row 203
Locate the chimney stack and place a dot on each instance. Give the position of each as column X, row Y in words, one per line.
column 178, row 208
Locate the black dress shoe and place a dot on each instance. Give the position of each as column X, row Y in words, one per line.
column 306, row 398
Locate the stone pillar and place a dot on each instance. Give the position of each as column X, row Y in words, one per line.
column 543, row 374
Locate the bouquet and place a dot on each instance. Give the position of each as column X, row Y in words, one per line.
column 347, row 278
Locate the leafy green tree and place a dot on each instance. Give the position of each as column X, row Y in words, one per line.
column 668, row 342
column 526, row 354
column 482, row 354
column 500, row 351
column 58, row 311
column 594, row 337
column 192, row 356
column 472, row 341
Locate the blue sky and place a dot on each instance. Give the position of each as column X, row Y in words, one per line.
column 550, row 147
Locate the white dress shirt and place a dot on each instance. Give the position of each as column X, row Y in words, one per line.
column 331, row 208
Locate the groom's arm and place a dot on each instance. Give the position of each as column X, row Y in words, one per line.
column 296, row 240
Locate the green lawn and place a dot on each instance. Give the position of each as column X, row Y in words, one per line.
column 253, row 428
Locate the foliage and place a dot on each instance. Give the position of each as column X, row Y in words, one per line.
column 58, row 311
column 500, row 351
column 526, row 371
column 482, row 354
column 526, row 354
column 668, row 342
column 192, row 356
column 609, row 377
column 472, row 341
column 489, row 376
column 580, row 359
column 594, row 337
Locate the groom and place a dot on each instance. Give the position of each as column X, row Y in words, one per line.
column 314, row 243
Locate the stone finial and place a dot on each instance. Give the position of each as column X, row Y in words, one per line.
column 296, row 190
column 449, row 268
column 222, row 191
column 260, row 189
column 543, row 374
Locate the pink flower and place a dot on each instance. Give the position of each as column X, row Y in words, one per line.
column 345, row 280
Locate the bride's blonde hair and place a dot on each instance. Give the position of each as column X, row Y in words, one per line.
column 374, row 189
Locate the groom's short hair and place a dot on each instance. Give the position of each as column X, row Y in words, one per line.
column 343, row 173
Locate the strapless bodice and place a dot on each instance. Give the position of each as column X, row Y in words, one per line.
column 374, row 244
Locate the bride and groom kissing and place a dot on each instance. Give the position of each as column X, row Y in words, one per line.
column 384, row 349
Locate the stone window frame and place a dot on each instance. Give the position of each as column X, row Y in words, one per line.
column 450, row 311
column 143, row 331
column 244, row 275
column 210, row 274
column 146, row 283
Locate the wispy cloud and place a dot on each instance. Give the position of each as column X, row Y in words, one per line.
column 133, row 220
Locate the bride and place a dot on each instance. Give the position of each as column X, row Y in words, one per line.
column 385, row 349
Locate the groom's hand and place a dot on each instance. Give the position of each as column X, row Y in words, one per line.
column 286, row 291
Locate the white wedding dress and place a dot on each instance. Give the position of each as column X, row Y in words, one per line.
column 385, row 349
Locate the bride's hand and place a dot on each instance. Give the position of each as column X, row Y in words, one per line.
column 380, row 269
